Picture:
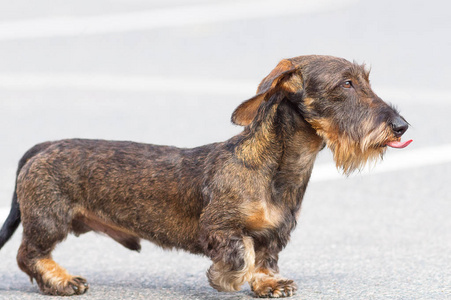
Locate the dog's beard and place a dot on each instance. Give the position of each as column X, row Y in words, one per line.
column 349, row 156
column 351, row 153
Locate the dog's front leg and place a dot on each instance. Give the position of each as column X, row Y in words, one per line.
column 266, row 280
column 233, row 263
column 232, row 252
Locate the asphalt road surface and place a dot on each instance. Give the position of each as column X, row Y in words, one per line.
column 171, row 72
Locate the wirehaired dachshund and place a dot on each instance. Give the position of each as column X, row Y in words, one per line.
column 235, row 202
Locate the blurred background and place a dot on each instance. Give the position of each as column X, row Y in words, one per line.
column 172, row 72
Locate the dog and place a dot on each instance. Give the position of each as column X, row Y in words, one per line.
column 235, row 202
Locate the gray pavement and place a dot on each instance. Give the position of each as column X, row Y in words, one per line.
column 371, row 236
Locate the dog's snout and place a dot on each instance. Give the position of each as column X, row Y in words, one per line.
column 399, row 126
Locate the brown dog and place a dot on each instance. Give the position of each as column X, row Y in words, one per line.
column 235, row 202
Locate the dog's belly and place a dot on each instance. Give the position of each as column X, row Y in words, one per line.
column 129, row 233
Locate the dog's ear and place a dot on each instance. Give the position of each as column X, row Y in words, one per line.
column 246, row 112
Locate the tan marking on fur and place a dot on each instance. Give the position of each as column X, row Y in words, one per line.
column 275, row 81
column 270, row 81
column 223, row 279
column 293, row 85
column 261, row 279
column 325, row 128
column 253, row 150
column 367, row 126
column 246, row 112
column 380, row 136
column 350, row 155
column 266, row 284
column 260, row 265
column 308, row 102
column 52, row 273
column 261, row 216
column 97, row 223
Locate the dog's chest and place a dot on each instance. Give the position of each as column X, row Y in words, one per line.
column 262, row 216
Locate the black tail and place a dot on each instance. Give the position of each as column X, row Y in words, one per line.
column 11, row 223
column 13, row 220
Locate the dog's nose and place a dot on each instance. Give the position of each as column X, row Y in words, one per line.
column 399, row 126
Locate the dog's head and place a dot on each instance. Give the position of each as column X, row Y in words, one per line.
column 335, row 97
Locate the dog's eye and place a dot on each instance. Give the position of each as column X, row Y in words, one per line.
column 347, row 84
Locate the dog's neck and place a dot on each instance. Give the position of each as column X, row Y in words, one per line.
column 285, row 146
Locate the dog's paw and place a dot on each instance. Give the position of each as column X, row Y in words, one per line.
column 271, row 287
column 72, row 286
column 55, row 280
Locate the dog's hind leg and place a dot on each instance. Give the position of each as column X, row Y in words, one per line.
column 52, row 279
column 43, row 227
column 34, row 258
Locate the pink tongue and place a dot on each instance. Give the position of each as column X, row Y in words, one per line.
column 399, row 144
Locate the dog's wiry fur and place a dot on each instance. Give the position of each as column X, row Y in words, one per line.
column 235, row 202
